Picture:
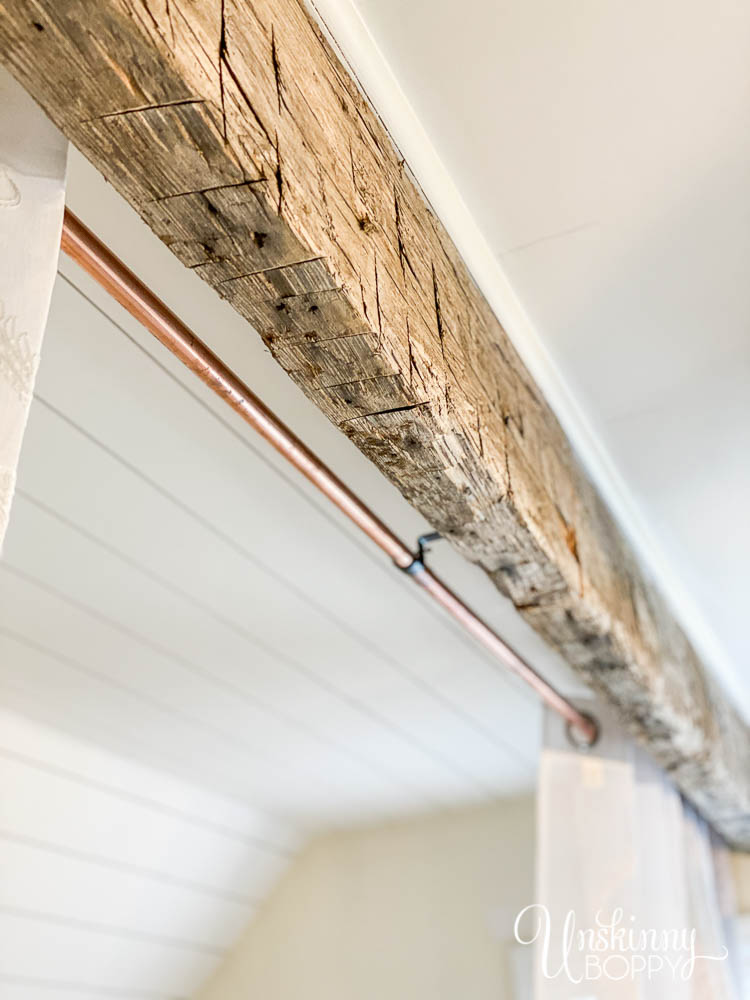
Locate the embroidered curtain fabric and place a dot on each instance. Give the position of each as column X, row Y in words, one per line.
column 32, row 199
column 636, row 874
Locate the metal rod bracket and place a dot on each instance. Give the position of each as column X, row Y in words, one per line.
column 417, row 565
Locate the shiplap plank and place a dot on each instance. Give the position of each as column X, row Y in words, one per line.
column 41, row 876
column 156, row 791
column 109, row 961
column 85, row 819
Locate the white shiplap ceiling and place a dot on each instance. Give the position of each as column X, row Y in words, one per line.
column 118, row 880
column 201, row 663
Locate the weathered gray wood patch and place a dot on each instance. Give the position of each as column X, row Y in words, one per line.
column 245, row 145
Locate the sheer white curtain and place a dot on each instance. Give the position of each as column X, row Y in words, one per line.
column 32, row 200
column 631, row 875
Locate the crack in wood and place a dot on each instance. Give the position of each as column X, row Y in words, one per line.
column 153, row 20
column 279, row 177
column 168, row 11
column 382, row 413
column 438, row 312
column 351, row 166
column 403, row 256
column 222, row 53
column 143, row 109
column 364, row 300
column 411, row 353
column 377, row 301
column 357, row 381
column 247, row 182
column 275, row 267
column 224, row 63
column 277, row 70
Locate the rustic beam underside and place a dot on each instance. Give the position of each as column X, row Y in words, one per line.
column 239, row 137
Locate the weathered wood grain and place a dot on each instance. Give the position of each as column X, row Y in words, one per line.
column 246, row 146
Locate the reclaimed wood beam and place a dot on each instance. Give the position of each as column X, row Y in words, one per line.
column 237, row 134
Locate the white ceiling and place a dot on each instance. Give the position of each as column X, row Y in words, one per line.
column 200, row 662
column 603, row 154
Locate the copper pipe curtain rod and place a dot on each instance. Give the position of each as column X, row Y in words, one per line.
column 94, row 257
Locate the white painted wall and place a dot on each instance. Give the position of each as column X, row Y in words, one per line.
column 741, row 870
column 415, row 910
